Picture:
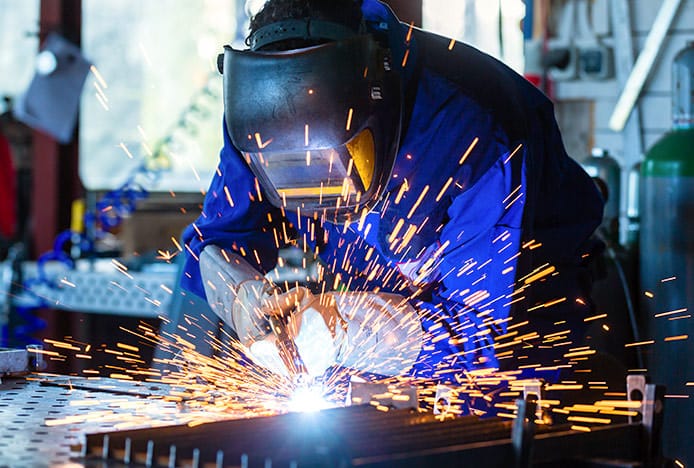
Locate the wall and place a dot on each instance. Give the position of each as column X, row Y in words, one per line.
column 584, row 107
column 600, row 97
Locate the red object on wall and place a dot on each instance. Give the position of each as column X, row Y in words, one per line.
column 536, row 80
column 8, row 192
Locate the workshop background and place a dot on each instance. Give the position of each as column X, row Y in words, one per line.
column 110, row 132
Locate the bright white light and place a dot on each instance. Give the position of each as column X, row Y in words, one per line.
column 254, row 6
column 207, row 46
column 308, row 398
column 476, row 22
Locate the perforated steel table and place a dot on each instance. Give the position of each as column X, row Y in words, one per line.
column 44, row 419
column 58, row 421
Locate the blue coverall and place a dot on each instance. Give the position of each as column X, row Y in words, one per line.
column 512, row 223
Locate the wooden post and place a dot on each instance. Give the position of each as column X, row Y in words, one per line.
column 55, row 170
column 55, row 184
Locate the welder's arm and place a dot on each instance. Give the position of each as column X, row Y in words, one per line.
column 233, row 218
column 369, row 332
column 235, row 292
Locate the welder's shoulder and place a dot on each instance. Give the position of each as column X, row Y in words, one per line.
column 480, row 77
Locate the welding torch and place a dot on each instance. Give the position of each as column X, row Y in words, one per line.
column 288, row 351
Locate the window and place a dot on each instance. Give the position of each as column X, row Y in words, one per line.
column 493, row 26
column 154, row 97
column 19, row 27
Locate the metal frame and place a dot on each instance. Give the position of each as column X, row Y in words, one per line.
column 362, row 436
column 351, row 436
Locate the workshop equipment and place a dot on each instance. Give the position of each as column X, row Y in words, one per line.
column 667, row 258
column 607, row 174
column 621, row 13
column 51, row 102
column 642, row 68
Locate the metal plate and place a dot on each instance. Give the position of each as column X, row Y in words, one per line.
column 25, row 440
column 13, row 361
column 45, row 426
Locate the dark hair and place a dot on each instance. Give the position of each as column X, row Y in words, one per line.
column 346, row 12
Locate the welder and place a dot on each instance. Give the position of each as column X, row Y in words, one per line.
column 429, row 179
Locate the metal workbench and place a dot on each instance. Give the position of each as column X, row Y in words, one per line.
column 57, row 421
column 44, row 419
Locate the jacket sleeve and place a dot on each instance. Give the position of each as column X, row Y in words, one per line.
column 479, row 246
column 235, row 216
column 506, row 246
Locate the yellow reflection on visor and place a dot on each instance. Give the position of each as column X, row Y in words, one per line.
column 362, row 150
column 310, row 191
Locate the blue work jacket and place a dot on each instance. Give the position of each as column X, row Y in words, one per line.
column 482, row 187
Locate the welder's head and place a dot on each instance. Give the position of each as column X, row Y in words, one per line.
column 314, row 106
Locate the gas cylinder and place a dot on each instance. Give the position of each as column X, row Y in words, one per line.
column 666, row 262
column 607, row 174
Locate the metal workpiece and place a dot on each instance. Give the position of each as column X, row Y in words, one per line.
column 20, row 361
column 523, row 431
column 364, row 436
column 44, row 419
column 534, row 391
column 61, row 421
column 13, row 361
column 649, row 414
column 392, row 396
column 128, row 293
column 341, row 436
column 104, row 287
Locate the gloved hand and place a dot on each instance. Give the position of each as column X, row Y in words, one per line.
column 234, row 290
column 384, row 333
column 315, row 326
column 369, row 332
column 250, row 309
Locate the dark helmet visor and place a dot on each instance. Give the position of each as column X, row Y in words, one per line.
column 319, row 127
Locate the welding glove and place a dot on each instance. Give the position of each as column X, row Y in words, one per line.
column 368, row 332
column 235, row 291
column 313, row 323
column 384, row 333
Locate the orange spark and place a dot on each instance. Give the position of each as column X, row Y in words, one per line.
column 419, row 200
column 639, row 343
column 260, row 143
column 228, row 195
column 468, row 151
column 349, row 118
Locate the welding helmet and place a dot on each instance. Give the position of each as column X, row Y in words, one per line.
column 319, row 126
